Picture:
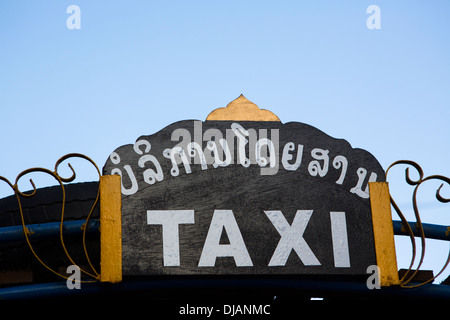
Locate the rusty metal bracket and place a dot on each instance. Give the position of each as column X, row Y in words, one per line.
column 19, row 195
column 419, row 227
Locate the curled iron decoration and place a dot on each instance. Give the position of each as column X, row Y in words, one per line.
column 95, row 275
column 408, row 276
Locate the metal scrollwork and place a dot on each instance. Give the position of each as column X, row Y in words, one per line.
column 409, row 275
column 61, row 180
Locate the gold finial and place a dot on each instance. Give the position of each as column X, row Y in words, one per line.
column 242, row 109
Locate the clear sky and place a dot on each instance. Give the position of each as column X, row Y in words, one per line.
column 136, row 66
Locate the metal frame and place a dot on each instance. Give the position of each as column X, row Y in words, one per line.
column 384, row 230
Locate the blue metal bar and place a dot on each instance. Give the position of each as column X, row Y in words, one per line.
column 315, row 287
column 312, row 287
column 431, row 231
column 15, row 233
column 44, row 230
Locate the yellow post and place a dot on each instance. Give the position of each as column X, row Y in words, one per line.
column 110, row 229
column 383, row 232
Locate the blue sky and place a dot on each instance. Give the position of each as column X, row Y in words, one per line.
column 136, row 66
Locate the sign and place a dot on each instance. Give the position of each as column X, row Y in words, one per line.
column 236, row 197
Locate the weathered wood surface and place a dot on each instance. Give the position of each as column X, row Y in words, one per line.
column 318, row 184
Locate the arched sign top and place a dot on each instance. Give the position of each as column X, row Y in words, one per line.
column 244, row 194
column 242, row 109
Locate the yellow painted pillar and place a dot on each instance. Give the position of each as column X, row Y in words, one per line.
column 110, row 229
column 383, row 232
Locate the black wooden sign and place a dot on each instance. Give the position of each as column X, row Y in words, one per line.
column 245, row 198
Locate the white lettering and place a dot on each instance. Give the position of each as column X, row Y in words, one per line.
column 174, row 154
column 233, row 310
column 290, row 146
column 338, row 162
column 150, row 175
column 241, row 133
column 314, row 166
column 220, row 152
column 196, row 310
column 262, row 161
column 362, row 173
column 339, row 238
column 170, row 220
column 291, row 238
column 224, row 220
column 115, row 158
